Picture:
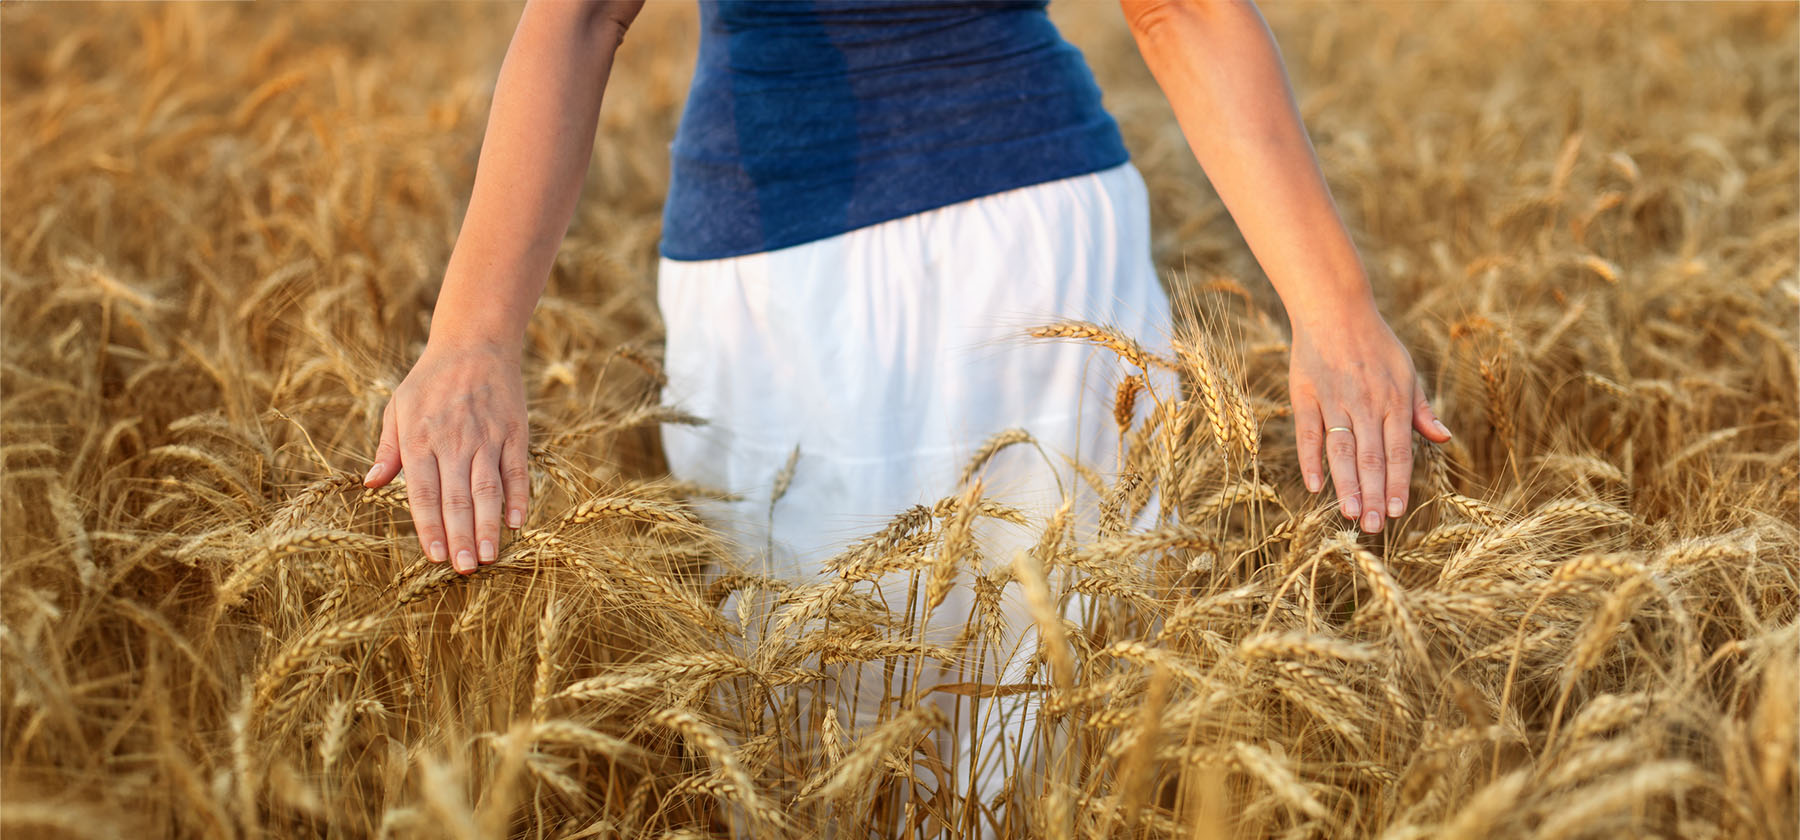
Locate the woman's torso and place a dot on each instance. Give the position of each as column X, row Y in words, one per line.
column 809, row 119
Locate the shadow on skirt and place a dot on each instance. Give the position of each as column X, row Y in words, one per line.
column 888, row 355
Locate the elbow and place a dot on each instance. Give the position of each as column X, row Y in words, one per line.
column 594, row 21
column 1154, row 19
column 609, row 19
column 1149, row 19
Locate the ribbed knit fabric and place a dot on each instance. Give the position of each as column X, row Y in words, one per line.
column 807, row 119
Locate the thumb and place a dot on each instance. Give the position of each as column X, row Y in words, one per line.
column 387, row 453
column 1426, row 420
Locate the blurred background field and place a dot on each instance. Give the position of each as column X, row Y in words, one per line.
column 221, row 230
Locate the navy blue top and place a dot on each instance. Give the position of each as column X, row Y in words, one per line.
column 810, row 118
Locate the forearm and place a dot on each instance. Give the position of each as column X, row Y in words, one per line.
column 1220, row 69
column 534, row 156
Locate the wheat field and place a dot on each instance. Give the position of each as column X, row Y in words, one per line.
column 223, row 227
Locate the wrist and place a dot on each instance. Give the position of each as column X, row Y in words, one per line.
column 475, row 311
column 493, row 335
column 1324, row 310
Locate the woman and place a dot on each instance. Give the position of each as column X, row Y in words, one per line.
column 866, row 198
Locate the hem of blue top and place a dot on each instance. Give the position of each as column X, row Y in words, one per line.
column 1046, row 175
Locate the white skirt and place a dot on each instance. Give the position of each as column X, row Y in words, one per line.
column 890, row 353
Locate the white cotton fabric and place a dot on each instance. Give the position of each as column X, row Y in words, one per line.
column 889, row 354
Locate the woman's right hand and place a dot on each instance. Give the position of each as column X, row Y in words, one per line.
column 457, row 425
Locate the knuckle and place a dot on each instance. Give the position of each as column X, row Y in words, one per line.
column 1400, row 454
column 487, row 488
column 1311, row 438
column 516, row 475
column 1342, row 448
column 1371, row 460
column 451, row 438
column 423, row 495
column 418, row 439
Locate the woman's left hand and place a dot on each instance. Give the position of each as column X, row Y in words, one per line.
column 1351, row 371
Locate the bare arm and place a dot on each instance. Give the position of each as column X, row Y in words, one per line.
column 457, row 423
column 1219, row 67
column 540, row 136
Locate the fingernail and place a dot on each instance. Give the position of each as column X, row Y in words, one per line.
column 1350, row 507
column 1439, row 424
column 1312, row 482
column 437, row 552
column 515, row 518
column 487, row 551
column 1372, row 521
column 1396, row 507
column 464, row 560
column 372, row 471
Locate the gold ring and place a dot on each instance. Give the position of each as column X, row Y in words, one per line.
column 1338, row 429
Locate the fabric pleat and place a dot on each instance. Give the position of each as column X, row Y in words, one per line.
column 889, row 354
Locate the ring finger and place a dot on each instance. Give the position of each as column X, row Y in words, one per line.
column 1340, row 455
column 490, row 496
